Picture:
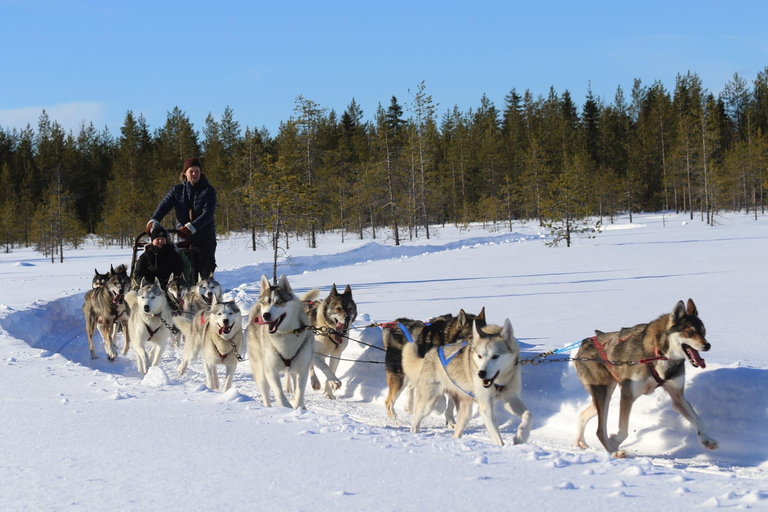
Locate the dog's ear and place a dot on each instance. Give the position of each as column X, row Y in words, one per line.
column 507, row 332
column 210, row 276
column 157, row 282
column 112, row 270
column 143, row 282
column 199, row 277
column 691, row 309
column 264, row 285
column 214, row 301
column 678, row 313
column 95, row 272
column 463, row 317
column 170, row 279
column 481, row 315
column 283, row 283
column 347, row 291
column 475, row 331
column 334, row 291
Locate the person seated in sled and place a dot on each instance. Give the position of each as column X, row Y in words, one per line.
column 160, row 260
column 194, row 200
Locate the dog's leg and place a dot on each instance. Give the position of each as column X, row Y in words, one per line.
column 628, row 397
column 464, row 414
column 107, row 337
column 302, row 377
column 90, row 328
column 584, row 417
column 450, row 406
column 516, row 406
column 126, row 338
column 485, row 405
column 141, row 356
column 288, row 383
column 257, row 368
column 158, row 350
column 685, row 409
column 602, row 397
column 273, row 378
column 395, row 385
column 331, row 381
column 314, row 381
column 231, row 367
column 427, row 394
column 211, row 375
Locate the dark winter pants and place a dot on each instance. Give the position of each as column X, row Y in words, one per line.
column 203, row 260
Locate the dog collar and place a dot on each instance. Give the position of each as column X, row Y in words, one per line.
column 151, row 332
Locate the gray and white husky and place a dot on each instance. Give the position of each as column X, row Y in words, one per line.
column 218, row 334
column 175, row 293
column 279, row 341
column 149, row 323
column 484, row 370
column 104, row 308
column 201, row 295
column 662, row 347
column 334, row 315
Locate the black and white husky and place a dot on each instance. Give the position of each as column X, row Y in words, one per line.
column 218, row 334
column 279, row 341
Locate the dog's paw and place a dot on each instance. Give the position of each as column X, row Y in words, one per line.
column 581, row 444
column 182, row 368
column 111, row 358
column 708, row 442
column 94, row 356
column 619, row 454
column 315, row 382
column 335, row 384
column 329, row 395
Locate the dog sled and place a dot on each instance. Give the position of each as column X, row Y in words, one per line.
column 184, row 247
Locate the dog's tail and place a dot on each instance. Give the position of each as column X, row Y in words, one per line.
column 308, row 298
column 184, row 324
column 412, row 363
column 131, row 298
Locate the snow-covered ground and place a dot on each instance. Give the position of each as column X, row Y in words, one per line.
column 87, row 435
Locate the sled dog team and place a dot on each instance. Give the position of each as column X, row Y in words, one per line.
column 460, row 358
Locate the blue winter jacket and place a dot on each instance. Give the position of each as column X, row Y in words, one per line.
column 199, row 200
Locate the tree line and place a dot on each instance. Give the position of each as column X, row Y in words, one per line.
column 538, row 157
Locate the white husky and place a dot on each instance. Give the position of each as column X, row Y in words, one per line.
column 200, row 295
column 150, row 322
column 279, row 340
column 485, row 370
column 218, row 333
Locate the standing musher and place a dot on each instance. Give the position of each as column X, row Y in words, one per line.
column 194, row 200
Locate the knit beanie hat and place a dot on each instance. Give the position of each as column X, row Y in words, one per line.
column 191, row 162
column 158, row 232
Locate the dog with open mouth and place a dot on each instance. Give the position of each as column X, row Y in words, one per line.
column 658, row 352
column 484, row 370
column 333, row 317
column 279, row 341
column 201, row 295
column 217, row 333
column 104, row 309
column 149, row 323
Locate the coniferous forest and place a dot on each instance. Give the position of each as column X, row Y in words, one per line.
column 412, row 164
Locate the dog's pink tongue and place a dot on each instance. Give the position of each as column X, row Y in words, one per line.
column 696, row 357
column 259, row 321
column 339, row 330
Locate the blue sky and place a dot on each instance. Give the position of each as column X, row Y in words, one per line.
column 95, row 60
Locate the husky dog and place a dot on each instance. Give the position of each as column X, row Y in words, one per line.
column 334, row 313
column 484, row 370
column 279, row 341
column 104, row 308
column 150, row 322
column 663, row 346
column 201, row 295
column 218, row 332
column 441, row 330
column 99, row 280
column 175, row 292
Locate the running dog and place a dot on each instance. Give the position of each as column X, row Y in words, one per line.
column 175, row 293
column 150, row 322
column 279, row 340
column 331, row 317
column 99, row 280
column 201, row 295
column 660, row 349
column 417, row 338
column 104, row 308
column 484, row 370
column 218, row 333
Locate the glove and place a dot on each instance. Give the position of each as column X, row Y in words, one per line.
column 184, row 232
column 152, row 224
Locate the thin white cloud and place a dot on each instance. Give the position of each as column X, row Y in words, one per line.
column 69, row 115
